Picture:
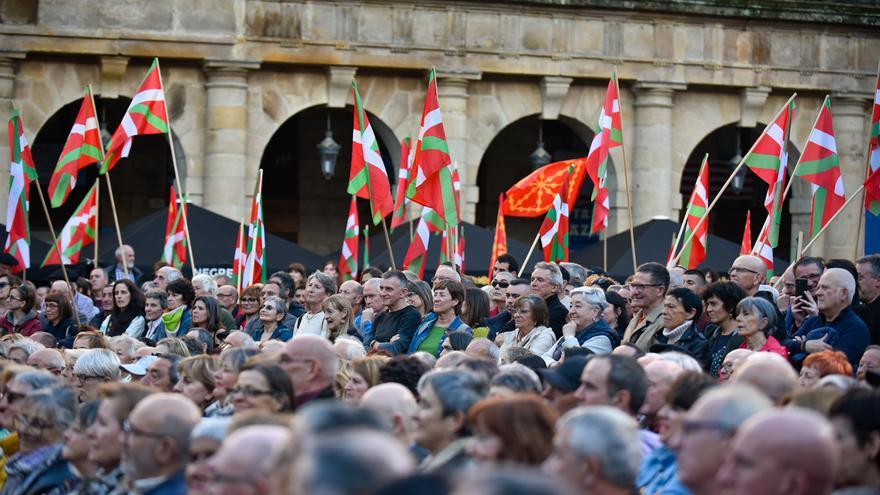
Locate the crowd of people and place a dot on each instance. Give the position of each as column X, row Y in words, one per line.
column 671, row 381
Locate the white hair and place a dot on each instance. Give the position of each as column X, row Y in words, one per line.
column 125, row 344
column 353, row 347
column 171, row 273
column 608, row 435
column 553, row 268
column 521, row 369
column 118, row 251
column 209, row 285
column 26, row 344
column 735, row 404
column 846, row 281
column 594, row 296
column 98, row 362
column 686, row 361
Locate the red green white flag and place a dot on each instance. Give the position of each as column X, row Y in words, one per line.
column 763, row 249
column 695, row 252
column 609, row 134
column 399, row 217
column 499, row 241
column 255, row 261
column 348, row 261
column 746, row 246
column 83, row 148
column 554, row 229
column 366, row 245
column 174, row 250
column 872, row 184
column 820, row 165
column 146, row 114
column 768, row 158
column 78, row 233
column 238, row 258
column 431, row 182
column 368, row 178
column 22, row 172
column 414, row 260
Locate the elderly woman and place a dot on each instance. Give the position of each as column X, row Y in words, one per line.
column 21, row 350
column 39, row 467
column 756, row 319
column 272, row 313
column 821, row 364
column 58, row 318
column 127, row 316
column 531, row 318
column 431, row 332
column 155, row 304
column 363, row 375
column 225, row 378
column 21, row 317
column 263, row 387
column 125, row 347
column 197, row 380
column 681, row 310
column 76, row 445
column 178, row 319
column 250, row 305
column 205, row 441
column 495, row 442
column 90, row 339
column 92, row 369
column 587, row 327
column 318, row 287
column 720, row 300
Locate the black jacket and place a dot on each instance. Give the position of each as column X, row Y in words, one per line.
column 558, row 314
column 692, row 342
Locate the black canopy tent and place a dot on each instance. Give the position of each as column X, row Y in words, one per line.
column 653, row 239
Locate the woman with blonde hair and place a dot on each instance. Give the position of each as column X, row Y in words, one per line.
column 364, row 374
column 339, row 317
column 197, row 380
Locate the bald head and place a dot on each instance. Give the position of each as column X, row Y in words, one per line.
column 237, row 338
column 483, row 348
column 263, row 452
column 394, row 403
column 660, row 375
column 760, row 460
column 169, row 418
column 768, row 372
column 311, row 363
column 47, row 359
column 835, row 291
column 748, row 272
column 450, row 360
column 446, row 272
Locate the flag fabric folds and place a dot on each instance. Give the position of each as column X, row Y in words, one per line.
column 174, row 250
column 872, row 184
column 78, row 233
column 414, row 260
column 238, row 259
column 554, row 229
column 431, row 182
column 366, row 245
column 746, row 246
column 763, row 249
column 348, row 261
column 255, row 261
column 533, row 195
column 695, row 252
column 769, row 160
column 401, row 203
column 22, row 172
column 368, row 178
column 499, row 241
column 609, row 135
column 83, row 148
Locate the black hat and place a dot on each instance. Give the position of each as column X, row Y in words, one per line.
column 567, row 376
column 8, row 259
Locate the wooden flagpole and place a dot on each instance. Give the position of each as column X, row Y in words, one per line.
column 529, row 255
column 605, row 250
column 632, row 237
column 388, row 244
column 687, row 209
column 800, row 242
column 730, row 178
column 237, row 265
column 97, row 263
column 830, row 220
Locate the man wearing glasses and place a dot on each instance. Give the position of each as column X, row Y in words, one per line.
column 156, row 443
column 648, row 287
column 748, row 272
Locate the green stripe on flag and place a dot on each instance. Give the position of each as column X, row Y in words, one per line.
column 434, row 143
column 770, row 162
column 818, row 166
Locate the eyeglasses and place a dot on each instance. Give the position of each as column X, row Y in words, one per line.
column 269, row 307
column 51, row 305
column 225, row 295
column 21, row 422
column 4, row 285
column 228, row 479
column 692, row 426
column 249, row 299
column 130, row 429
column 501, row 283
column 739, row 269
column 13, row 298
column 12, row 397
column 249, row 392
column 85, row 378
column 641, row 287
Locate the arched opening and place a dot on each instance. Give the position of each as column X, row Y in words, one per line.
column 140, row 181
column 507, row 160
column 300, row 204
column 727, row 218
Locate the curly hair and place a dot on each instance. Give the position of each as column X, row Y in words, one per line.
column 405, row 370
column 829, row 363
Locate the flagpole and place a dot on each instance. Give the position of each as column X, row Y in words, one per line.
column 830, row 220
column 236, row 264
column 605, row 250
column 96, row 263
column 529, row 255
column 388, row 244
column 730, row 179
column 867, row 164
column 632, row 236
column 800, row 242
column 684, row 221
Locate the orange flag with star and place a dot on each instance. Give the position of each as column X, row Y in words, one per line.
column 533, row 195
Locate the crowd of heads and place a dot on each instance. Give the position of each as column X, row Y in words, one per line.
column 671, row 380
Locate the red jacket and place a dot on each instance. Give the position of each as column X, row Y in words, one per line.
column 28, row 327
column 772, row 345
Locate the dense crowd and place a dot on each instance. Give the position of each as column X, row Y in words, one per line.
column 671, row 381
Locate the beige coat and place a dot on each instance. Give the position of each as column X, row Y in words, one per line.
column 652, row 324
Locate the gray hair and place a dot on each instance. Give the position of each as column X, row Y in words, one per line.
column 214, row 428
column 326, row 281
column 577, row 274
column 594, row 296
column 553, row 268
column 675, row 279
column 125, row 344
column 59, row 402
column 735, row 404
column 208, row 283
column 457, row 390
column 28, row 345
column 37, row 379
column 171, row 273
column 847, row 280
column 235, row 357
column 98, row 362
column 873, row 262
column 118, row 251
column 686, row 361
column 763, row 307
column 518, row 377
column 353, row 347
column 159, row 296
column 610, row 436
column 277, row 302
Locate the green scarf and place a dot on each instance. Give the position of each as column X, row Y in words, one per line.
column 172, row 319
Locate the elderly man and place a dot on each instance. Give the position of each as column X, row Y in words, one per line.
column 870, row 363
column 166, row 274
column 649, row 286
column 83, row 303
column 117, row 271
column 869, row 292
column 98, row 280
column 228, row 297
column 50, row 360
column 610, row 380
column 748, row 272
column 768, row 372
column 706, row 433
column 761, row 459
column 400, row 318
column 94, row 368
column 849, row 334
column 597, row 449
column 237, row 338
column 373, row 306
column 446, row 272
column 204, row 285
column 156, row 444
column 503, row 321
column 311, row 363
column 355, row 294
column 395, row 404
column 661, row 374
column 253, row 460
column 547, row 283
column 162, row 374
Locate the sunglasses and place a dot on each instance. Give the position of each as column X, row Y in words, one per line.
column 500, row 283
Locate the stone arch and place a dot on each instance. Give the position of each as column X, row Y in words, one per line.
column 297, row 199
column 140, row 186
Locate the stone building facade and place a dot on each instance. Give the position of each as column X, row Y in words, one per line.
column 238, row 72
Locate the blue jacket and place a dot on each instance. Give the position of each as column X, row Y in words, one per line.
column 175, row 485
column 424, row 329
column 853, row 335
column 281, row 333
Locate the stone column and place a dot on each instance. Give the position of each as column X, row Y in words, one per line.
column 453, row 93
column 654, row 191
column 224, row 181
column 850, row 117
